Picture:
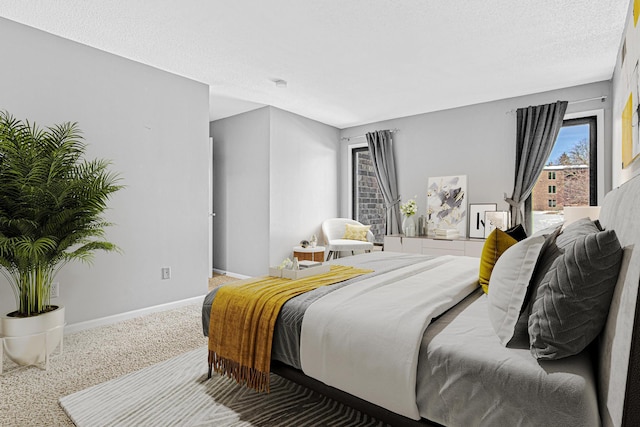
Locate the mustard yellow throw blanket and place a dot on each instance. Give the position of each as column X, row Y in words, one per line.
column 243, row 316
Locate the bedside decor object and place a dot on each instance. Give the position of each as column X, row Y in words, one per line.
column 447, row 202
column 495, row 219
column 286, row 264
column 304, row 243
column 307, row 264
column 409, row 209
column 422, row 226
column 476, row 218
column 409, row 226
column 305, row 272
column 295, row 269
column 310, row 253
column 446, row 233
column 314, row 241
column 275, row 272
column 52, row 202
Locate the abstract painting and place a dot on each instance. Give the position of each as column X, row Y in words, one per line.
column 447, row 203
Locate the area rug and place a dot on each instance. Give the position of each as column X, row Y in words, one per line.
column 177, row 393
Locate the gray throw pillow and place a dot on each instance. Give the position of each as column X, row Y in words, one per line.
column 572, row 301
column 574, row 230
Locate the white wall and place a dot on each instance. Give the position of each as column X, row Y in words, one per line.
column 477, row 140
column 275, row 176
column 154, row 127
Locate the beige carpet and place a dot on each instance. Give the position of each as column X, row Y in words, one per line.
column 29, row 395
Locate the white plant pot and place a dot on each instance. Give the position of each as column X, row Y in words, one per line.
column 30, row 340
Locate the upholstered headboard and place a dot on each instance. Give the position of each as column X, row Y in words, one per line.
column 619, row 349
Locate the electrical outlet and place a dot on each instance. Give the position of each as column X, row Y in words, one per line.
column 166, row 273
column 54, row 292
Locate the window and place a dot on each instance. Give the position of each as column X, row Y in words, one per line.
column 570, row 174
column 367, row 201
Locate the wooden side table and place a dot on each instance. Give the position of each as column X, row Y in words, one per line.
column 309, row 254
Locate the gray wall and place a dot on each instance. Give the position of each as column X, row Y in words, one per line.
column 304, row 180
column 477, row 141
column 275, row 181
column 241, row 192
column 154, row 126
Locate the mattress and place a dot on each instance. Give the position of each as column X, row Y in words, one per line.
column 467, row 378
column 286, row 338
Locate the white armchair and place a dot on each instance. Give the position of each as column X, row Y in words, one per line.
column 334, row 229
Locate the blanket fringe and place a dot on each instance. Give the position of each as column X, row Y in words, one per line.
column 243, row 375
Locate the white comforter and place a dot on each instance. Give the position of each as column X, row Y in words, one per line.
column 365, row 338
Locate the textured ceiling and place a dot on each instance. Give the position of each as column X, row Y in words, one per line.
column 349, row 62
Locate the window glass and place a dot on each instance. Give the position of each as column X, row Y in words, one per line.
column 368, row 203
column 569, row 174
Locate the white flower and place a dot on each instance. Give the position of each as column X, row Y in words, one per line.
column 409, row 208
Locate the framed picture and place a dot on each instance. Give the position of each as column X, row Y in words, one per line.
column 447, row 203
column 476, row 218
column 495, row 219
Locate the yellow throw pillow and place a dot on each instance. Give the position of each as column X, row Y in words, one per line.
column 497, row 242
column 356, row 232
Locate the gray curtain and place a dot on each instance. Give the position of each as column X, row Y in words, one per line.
column 385, row 168
column 536, row 132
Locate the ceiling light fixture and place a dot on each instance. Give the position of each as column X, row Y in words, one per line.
column 280, row 83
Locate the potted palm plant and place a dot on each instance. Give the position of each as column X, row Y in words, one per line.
column 51, row 204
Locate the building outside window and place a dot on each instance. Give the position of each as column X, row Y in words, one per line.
column 552, row 175
column 552, row 189
column 552, row 203
column 367, row 201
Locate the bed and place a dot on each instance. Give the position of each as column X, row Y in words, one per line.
column 461, row 373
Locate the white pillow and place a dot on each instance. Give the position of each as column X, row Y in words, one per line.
column 511, row 276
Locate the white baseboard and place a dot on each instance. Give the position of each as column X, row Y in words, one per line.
column 109, row 320
column 230, row 274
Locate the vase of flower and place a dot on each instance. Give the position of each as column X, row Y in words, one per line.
column 409, row 226
column 409, row 209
